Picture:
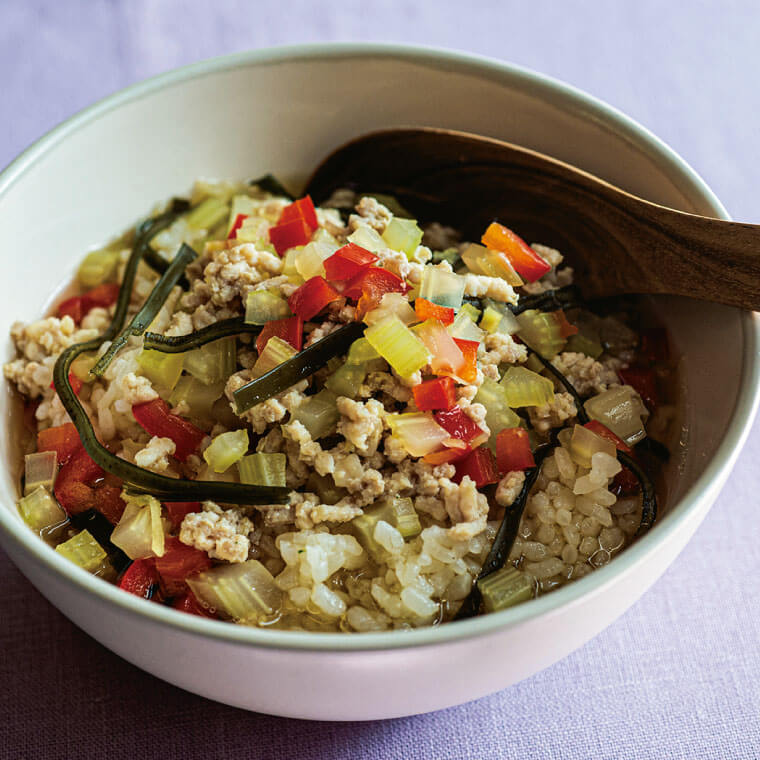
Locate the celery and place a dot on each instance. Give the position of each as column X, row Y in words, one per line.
column 526, row 388
column 254, row 229
column 198, row 396
column 140, row 532
column 163, row 370
column 405, row 518
column 240, row 204
column 505, row 588
column 441, row 286
column 392, row 303
column 581, row 344
column 275, row 352
column 621, row 410
column 324, row 486
column 82, row 365
column 97, row 267
column 39, row 470
column 289, row 268
column 345, row 381
column 470, row 311
column 584, row 444
column 226, row 449
column 263, row 469
column 207, row 213
column 262, row 306
column 403, row 235
column 83, row 550
column 498, row 414
column 491, row 320
column 310, row 262
column 508, row 324
column 541, row 332
column 396, row 343
column 464, row 328
column 41, row 512
column 245, row 592
column 532, row 363
column 318, row 414
column 361, row 352
column 397, row 512
column 213, row 362
column 418, row 432
column 367, row 238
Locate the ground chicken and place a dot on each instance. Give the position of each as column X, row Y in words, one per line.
column 384, row 382
column 235, row 271
column 483, row 286
column 155, row 456
column 370, row 213
column 502, row 349
column 399, row 264
column 554, row 414
column 267, row 412
column 509, row 488
column 361, row 424
column 585, row 373
column 467, row 508
column 135, row 389
column 221, row 533
column 320, row 331
column 310, row 512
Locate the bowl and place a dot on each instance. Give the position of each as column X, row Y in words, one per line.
column 282, row 110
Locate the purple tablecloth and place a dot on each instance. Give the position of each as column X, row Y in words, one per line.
column 678, row 675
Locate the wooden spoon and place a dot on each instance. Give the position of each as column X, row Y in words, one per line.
column 619, row 243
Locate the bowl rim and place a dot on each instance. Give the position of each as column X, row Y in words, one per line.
column 570, row 99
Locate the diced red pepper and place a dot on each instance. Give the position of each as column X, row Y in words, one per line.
column 289, row 234
column 72, row 307
column 178, row 510
column 643, row 381
column 236, row 225
column 179, row 562
column 428, row 310
column 566, row 329
column 76, row 307
column 72, row 485
column 189, row 603
column 348, row 262
column 64, row 440
column 75, row 383
column 480, row 465
column 155, row 418
column 654, row 345
column 109, row 502
column 458, row 425
column 140, row 578
column 304, row 209
column 513, row 450
column 435, row 394
column 312, row 297
column 604, row 432
column 446, row 456
column 290, row 329
column 469, row 349
column 625, row 483
column 375, row 282
column 525, row 261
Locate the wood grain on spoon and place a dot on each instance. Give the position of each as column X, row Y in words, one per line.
column 618, row 243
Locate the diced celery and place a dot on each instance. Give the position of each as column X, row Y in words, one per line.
column 418, row 432
column 207, row 213
column 345, row 381
column 367, row 238
column 584, row 444
column 405, row 518
column 226, row 449
column 620, row 408
column 469, row 310
column 509, row 324
column 83, row 550
column 213, row 362
column 318, row 414
column 41, row 512
column 162, row 369
column 140, row 532
column 263, row 469
column 403, row 235
column 491, row 320
column 392, row 303
column 240, row 204
column 40, row 469
column 82, row 365
column 397, row 512
column 198, row 396
column 541, row 331
column 310, row 262
column 245, row 592
column 97, row 267
column 275, row 352
column 361, row 352
column 324, row 486
column 262, row 306
column 505, row 588
column 581, row 344
column 464, row 328
column 532, row 363
column 254, row 229
column 398, row 345
column 526, row 388
column 498, row 414
column 441, row 286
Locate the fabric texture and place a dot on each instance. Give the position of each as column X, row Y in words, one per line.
column 678, row 675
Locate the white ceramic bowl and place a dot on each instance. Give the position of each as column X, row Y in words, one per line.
column 282, row 110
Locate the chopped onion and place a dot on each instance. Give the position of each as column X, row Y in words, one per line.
column 366, row 237
column 418, row 432
column 464, row 328
column 347, row 379
column 541, row 331
column 140, row 532
column 498, row 414
column 481, row 260
column 41, row 512
column 620, row 409
column 198, row 397
column 83, row 550
column 97, row 267
column 584, row 444
column 446, row 356
column 40, row 469
column 361, row 352
column 162, row 369
column 392, row 303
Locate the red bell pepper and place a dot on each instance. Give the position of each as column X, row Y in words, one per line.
column 109, row 502
column 625, row 483
column 435, row 394
column 525, row 261
column 188, row 602
column 64, row 440
column 428, row 310
column 370, row 286
column 458, row 425
column 312, row 297
column 289, row 234
column 513, row 450
column 290, row 329
column 73, row 488
column 76, row 307
column 155, row 418
column 604, row 432
column 566, row 329
column 469, row 349
column 446, row 456
column 178, row 562
column 643, row 381
column 140, row 578
column 304, row 209
column 178, row 510
column 480, row 465
column 348, row 262
column 236, row 225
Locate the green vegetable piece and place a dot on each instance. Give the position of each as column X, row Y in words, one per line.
column 226, row 449
column 620, row 408
column 318, row 414
column 345, row 381
column 262, row 469
column 41, row 512
column 367, row 238
column 97, row 267
column 198, row 396
column 40, row 469
column 361, row 352
column 397, row 512
column 81, row 367
column 451, row 255
column 208, row 213
column 464, row 328
column 403, row 235
column 580, row 344
column 541, row 332
column 212, row 362
column 405, row 518
column 526, row 388
column 140, row 531
column 584, row 443
column 505, row 588
column 177, row 344
column 398, row 345
column 324, row 486
column 277, row 351
column 468, row 310
column 498, row 413
column 240, row 204
column 491, row 320
column 163, row 370
column 83, row 550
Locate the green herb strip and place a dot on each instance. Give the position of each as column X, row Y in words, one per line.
column 178, row 344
